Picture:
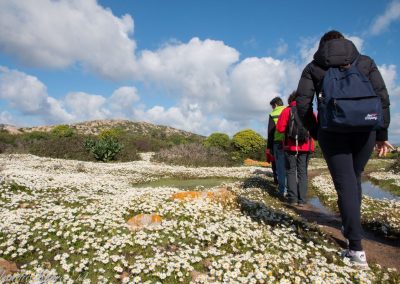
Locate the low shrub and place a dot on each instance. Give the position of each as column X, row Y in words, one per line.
column 35, row 136
column 7, row 138
column 62, row 131
column 59, row 147
column 195, row 155
column 248, row 144
column 220, row 140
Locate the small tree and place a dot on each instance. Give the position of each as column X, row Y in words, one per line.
column 248, row 143
column 217, row 139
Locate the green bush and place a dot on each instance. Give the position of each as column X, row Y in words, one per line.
column 249, row 144
column 177, row 139
column 62, row 131
column 195, row 155
column 219, row 140
column 104, row 148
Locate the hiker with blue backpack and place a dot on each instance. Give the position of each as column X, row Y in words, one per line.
column 353, row 118
column 298, row 145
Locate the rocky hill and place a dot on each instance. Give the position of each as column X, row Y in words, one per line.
column 96, row 126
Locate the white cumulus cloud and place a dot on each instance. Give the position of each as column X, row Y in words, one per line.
column 122, row 101
column 382, row 22
column 6, row 118
column 84, row 106
column 254, row 82
column 28, row 96
column 389, row 74
column 197, row 70
column 58, row 34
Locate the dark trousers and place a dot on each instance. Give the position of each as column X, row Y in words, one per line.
column 273, row 166
column 346, row 155
column 296, row 176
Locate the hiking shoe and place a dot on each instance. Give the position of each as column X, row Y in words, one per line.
column 300, row 204
column 357, row 258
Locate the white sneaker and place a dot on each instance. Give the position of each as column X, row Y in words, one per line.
column 357, row 258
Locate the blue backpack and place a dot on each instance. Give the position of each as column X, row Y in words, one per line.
column 348, row 102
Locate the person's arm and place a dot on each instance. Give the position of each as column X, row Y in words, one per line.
column 380, row 89
column 304, row 101
column 283, row 120
column 271, row 132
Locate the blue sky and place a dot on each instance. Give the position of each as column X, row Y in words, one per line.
column 202, row 66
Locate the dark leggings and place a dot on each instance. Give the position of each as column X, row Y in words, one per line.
column 346, row 155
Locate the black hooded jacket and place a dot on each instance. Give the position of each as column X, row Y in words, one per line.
column 334, row 53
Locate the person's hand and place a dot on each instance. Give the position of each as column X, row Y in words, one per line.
column 382, row 148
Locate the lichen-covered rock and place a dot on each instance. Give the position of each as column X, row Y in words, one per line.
column 7, row 267
column 250, row 162
column 141, row 221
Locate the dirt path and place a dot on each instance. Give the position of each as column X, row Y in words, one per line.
column 383, row 251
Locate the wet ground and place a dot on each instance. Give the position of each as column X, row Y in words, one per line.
column 381, row 250
column 374, row 191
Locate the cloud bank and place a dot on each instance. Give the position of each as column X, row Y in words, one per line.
column 213, row 88
column 59, row 34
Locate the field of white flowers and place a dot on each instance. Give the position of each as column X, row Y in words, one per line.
column 65, row 221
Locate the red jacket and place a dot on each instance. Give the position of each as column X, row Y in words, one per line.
column 290, row 144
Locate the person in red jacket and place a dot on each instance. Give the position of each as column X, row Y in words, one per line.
column 297, row 155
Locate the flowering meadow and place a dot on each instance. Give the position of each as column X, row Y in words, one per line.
column 65, row 221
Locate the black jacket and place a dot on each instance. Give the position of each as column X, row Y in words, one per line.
column 338, row 52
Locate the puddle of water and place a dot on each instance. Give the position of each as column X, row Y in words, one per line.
column 314, row 201
column 371, row 190
column 187, row 183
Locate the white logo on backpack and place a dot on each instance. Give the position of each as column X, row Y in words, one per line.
column 371, row 116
